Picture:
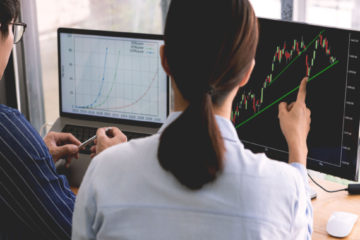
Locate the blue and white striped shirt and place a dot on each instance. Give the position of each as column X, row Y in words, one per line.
column 35, row 202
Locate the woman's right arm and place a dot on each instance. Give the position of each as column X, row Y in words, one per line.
column 295, row 125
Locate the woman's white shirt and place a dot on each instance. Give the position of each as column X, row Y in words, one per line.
column 125, row 194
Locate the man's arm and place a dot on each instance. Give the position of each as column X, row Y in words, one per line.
column 31, row 191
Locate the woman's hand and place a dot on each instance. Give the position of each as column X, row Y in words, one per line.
column 295, row 125
column 105, row 139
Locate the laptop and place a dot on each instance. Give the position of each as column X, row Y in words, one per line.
column 109, row 79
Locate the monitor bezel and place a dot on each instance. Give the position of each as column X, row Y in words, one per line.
column 107, row 34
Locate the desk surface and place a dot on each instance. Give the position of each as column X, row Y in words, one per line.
column 324, row 205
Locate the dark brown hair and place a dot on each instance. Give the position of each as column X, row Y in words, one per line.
column 209, row 47
column 9, row 10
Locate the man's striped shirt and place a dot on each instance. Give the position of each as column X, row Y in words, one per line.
column 35, row 202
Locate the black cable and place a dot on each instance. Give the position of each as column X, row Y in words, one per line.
column 329, row 191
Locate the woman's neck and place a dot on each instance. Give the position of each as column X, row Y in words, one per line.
column 180, row 104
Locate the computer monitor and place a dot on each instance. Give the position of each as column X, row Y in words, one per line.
column 287, row 52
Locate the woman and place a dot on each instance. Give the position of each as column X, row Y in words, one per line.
column 194, row 179
column 35, row 202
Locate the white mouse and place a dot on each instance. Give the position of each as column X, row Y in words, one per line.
column 340, row 224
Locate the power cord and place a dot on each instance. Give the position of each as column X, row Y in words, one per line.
column 329, row 191
column 353, row 188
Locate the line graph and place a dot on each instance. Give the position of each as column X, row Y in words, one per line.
column 252, row 101
column 112, row 86
column 113, row 75
column 120, row 77
column 130, row 104
column 101, row 86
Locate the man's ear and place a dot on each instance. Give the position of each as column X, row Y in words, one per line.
column 164, row 62
column 246, row 78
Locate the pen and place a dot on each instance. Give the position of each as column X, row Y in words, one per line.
column 90, row 140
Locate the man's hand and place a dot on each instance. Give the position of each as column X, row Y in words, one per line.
column 62, row 145
column 295, row 125
column 107, row 139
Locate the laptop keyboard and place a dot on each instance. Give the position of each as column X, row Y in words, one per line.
column 84, row 133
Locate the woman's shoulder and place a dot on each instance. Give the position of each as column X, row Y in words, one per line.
column 258, row 165
column 130, row 154
column 123, row 165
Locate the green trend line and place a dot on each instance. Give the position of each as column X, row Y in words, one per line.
column 285, row 68
column 285, row 95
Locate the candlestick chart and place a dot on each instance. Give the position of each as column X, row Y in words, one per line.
column 288, row 52
column 253, row 101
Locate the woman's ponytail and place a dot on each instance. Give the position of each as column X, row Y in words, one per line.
column 191, row 148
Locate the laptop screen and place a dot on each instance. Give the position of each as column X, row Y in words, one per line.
column 112, row 75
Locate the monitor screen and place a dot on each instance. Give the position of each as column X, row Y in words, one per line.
column 287, row 52
column 112, row 75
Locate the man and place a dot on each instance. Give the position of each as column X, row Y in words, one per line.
column 35, row 202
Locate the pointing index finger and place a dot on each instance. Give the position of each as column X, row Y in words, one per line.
column 302, row 90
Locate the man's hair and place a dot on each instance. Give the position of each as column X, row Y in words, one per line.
column 9, row 10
